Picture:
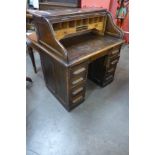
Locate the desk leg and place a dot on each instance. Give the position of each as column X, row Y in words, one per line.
column 31, row 54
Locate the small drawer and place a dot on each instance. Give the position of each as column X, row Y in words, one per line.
column 80, row 69
column 105, row 83
column 77, row 99
column 111, row 70
column 109, row 77
column 115, row 53
column 111, row 62
column 77, row 80
column 114, row 62
column 77, row 90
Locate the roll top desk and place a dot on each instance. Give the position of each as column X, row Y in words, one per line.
column 76, row 44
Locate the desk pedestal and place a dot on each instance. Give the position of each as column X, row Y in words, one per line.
column 68, row 83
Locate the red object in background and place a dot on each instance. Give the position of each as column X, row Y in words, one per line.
column 125, row 26
column 110, row 5
column 95, row 3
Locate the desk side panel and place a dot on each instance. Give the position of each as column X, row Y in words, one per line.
column 55, row 76
column 112, row 29
column 47, row 38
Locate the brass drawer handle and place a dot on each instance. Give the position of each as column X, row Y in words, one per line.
column 114, row 62
column 77, row 91
column 79, row 71
column 77, row 99
column 77, row 81
column 109, row 77
column 115, row 51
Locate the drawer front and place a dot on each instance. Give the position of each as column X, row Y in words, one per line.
column 114, row 52
column 79, row 70
column 113, row 62
column 77, row 90
column 77, row 80
column 77, row 99
column 106, row 82
column 109, row 77
column 110, row 71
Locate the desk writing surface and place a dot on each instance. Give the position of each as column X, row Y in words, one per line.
column 83, row 45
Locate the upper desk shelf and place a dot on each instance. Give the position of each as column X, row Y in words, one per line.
column 65, row 29
column 72, row 34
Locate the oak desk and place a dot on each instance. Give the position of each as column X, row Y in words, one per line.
column 76, row 44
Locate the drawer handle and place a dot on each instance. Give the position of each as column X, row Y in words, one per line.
column 79, row 71
column 111, row 70
column 114, row 62
column 116, row 51
column 77, row 91
column 77, row 99
column 109, row 77
column 77, row 81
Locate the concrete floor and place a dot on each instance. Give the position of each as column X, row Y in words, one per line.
column 99, row 126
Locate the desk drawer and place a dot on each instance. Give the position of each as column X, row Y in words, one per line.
column 106, row 82
column 113, row 62
column 114, row 52
column 109, row 77
column 79, row 70
column 77, row 90
column 77, row 80
column 110, row 71
column 77, row 99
